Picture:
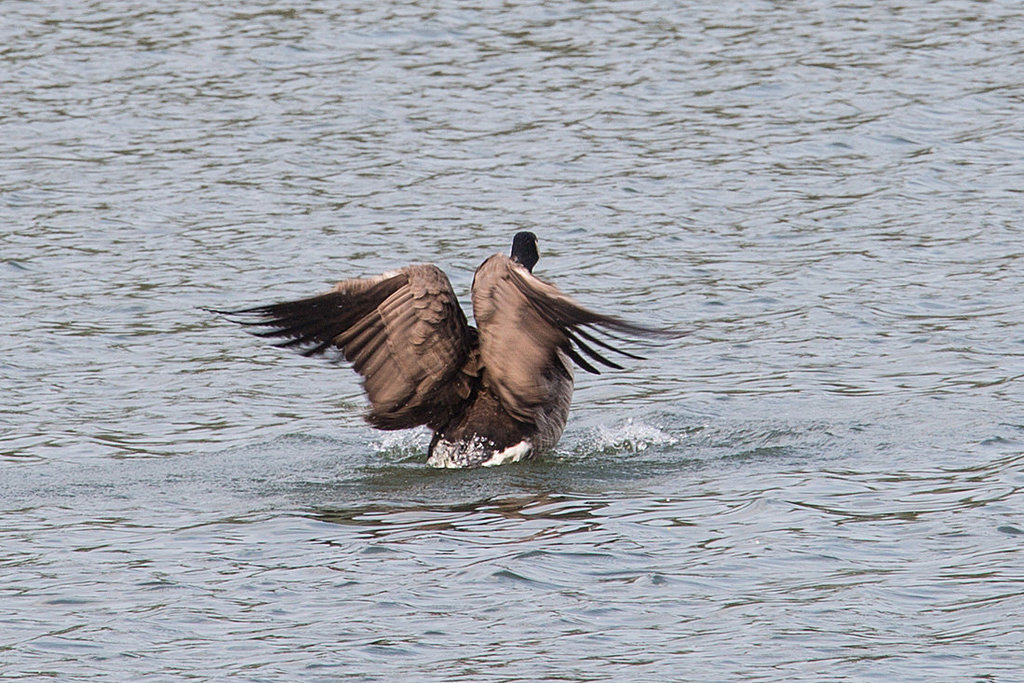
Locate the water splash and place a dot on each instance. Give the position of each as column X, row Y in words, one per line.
column 403, row 445
column 631, row 437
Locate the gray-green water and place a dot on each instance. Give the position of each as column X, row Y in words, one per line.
column 822, row 482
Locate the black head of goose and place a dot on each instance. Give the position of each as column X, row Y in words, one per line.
column 493, row 394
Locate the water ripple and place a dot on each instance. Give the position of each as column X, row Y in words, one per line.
column 825, row 475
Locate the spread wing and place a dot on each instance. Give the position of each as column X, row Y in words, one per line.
column 524, row 321
column 403, row 331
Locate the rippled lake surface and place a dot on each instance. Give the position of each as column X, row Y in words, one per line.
column 822, row 481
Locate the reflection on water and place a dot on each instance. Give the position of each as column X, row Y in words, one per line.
column 482, row 518
column 824, row 476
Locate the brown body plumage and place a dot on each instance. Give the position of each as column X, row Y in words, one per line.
column 496, row 393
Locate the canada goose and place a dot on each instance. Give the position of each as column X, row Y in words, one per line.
column 493, row 394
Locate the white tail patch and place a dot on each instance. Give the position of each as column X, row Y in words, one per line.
column 510, row 454
column 475, row 454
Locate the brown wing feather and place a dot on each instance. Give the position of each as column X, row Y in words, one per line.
column 524, row 321
column 404, row 332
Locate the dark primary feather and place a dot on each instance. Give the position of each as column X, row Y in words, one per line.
column 403, row 332
column 562, row 312
column 314, row 324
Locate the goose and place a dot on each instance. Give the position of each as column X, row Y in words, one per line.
column 492, row 394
